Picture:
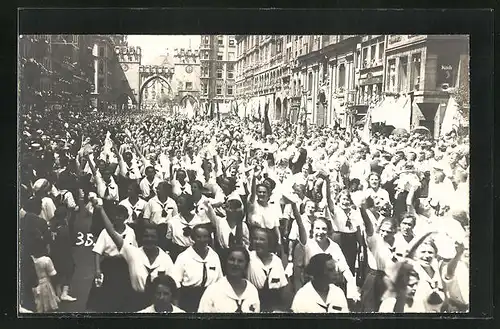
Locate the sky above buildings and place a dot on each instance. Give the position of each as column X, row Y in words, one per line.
column 156, row 45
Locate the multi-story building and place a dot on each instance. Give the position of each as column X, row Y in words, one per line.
column 218, row 58
column 111, row 87
column 325, row 76
column 335, row 79
column 370, row 69
column 424, row 69
column 55, row 70
column 261, row 73
column 71, row 70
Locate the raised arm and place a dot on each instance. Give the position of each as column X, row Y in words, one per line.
column 117, row 239
column 452, row 265
column 366, row 219
column 296, row 214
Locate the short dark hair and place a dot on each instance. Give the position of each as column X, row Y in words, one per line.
column 121, row 211
column 316, row 266
column 166, row 281
column 33, row 205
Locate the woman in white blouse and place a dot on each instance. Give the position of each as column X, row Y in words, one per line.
column 232, row 293
column 320, row 295
column 430, row 293
column 347, row 223
column 159, row 210
column 135, row 207
column 180, row 226
column 113, row 294
column 374, row 190
column 318, row 242
column 144, row 264
column 196, row 268
column 267, row 274
column 164, row 291
column 383, row 251
column 262, row 212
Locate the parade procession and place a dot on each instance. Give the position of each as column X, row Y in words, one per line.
column 243, row 174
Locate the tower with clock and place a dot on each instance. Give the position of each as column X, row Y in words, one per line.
column 130, row 61
column 187, row 75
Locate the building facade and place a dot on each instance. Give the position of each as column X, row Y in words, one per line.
column 55, row 70
column 425, row 68
column 261, row 75
column 111, row 87
column 217, row 69
column 336, row 79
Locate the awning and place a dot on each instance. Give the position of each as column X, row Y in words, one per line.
column 452, row 118
column 393, row 111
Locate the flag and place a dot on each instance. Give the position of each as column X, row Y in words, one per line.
column 266, row 129
column 260, row 114
column 367, row 128
column 212, row 110
column 236, row 110
column 218, row 112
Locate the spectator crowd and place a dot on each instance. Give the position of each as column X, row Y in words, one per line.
column 221, row 215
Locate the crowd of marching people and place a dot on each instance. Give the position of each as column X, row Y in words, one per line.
column 215, row 215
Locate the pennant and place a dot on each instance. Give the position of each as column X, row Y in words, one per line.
column 267, row 125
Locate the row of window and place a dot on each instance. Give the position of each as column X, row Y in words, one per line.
column 218, row 90
column 205, row 72
column 220, row 57
column 205, row 40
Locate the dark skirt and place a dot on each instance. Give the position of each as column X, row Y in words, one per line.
column 348, row 243
column 189, row 298
column 270, row 300
column 29, row 280
column 115, row 293
column 372, row 291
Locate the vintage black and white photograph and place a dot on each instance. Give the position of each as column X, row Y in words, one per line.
column 243, row 173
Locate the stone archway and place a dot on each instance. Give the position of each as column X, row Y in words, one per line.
column 148, row 81
column 277, row 112
column 186, row 98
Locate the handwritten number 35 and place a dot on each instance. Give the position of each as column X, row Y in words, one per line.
column 87, row 242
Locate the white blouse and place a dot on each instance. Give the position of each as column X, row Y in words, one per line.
column 380, row 254
column 223, row 232
column 140, row 267
column 221, row 298
column 147, row 187
column 151, row 309
column 307, row 300
column 188, row 269
column 339, row 220
column 274, row 273
column 266, row 217
column 427, row 285
column 105, row 246
column 176, row 225
column 312, row 248
column 138, row 208
column 154, row 210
